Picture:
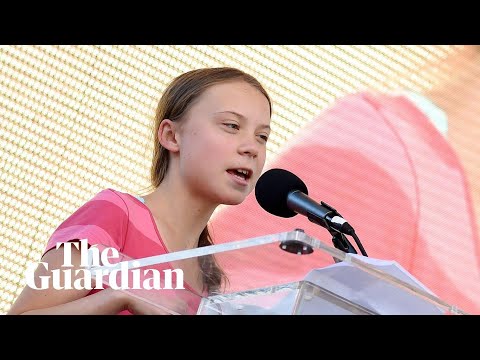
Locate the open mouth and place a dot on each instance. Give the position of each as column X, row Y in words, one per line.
column 243, row 174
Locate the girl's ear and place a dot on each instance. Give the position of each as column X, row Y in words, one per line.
column 167, row 135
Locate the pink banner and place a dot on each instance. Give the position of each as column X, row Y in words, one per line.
column 386, row 168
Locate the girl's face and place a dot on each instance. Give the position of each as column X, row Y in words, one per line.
column 222, row 142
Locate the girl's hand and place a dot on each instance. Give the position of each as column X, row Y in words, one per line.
column 139, row 306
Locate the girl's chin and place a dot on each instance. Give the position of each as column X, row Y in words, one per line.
column 233, row 200
column 229, row 196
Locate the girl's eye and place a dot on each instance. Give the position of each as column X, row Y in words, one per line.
column 264, row 137
column 232, row 126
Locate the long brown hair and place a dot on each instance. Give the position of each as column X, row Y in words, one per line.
column 176, row 100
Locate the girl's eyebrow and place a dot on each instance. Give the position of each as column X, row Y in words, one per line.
column 233, row 113
column 241, row 117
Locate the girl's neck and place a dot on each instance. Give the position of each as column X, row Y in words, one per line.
column 180, row 217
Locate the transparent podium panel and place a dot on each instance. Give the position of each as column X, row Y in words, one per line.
column 278, row 274
column 297, row 298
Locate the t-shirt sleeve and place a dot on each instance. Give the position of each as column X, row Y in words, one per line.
column 101, row 221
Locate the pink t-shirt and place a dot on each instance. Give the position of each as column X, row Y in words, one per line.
column 122, row 221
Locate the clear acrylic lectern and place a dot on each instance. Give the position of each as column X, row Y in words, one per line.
column 279, row 274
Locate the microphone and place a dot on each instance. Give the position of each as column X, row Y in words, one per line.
column 283, row 194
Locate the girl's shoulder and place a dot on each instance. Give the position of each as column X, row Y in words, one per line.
column 118, row 195
column 126, row 199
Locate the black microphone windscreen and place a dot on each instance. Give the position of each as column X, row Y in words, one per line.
column 272, row 190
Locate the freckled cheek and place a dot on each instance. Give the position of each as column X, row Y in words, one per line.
column 261, row 159
column 218, row 144
column 207, row 153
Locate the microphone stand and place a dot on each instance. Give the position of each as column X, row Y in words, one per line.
column 339, row 240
